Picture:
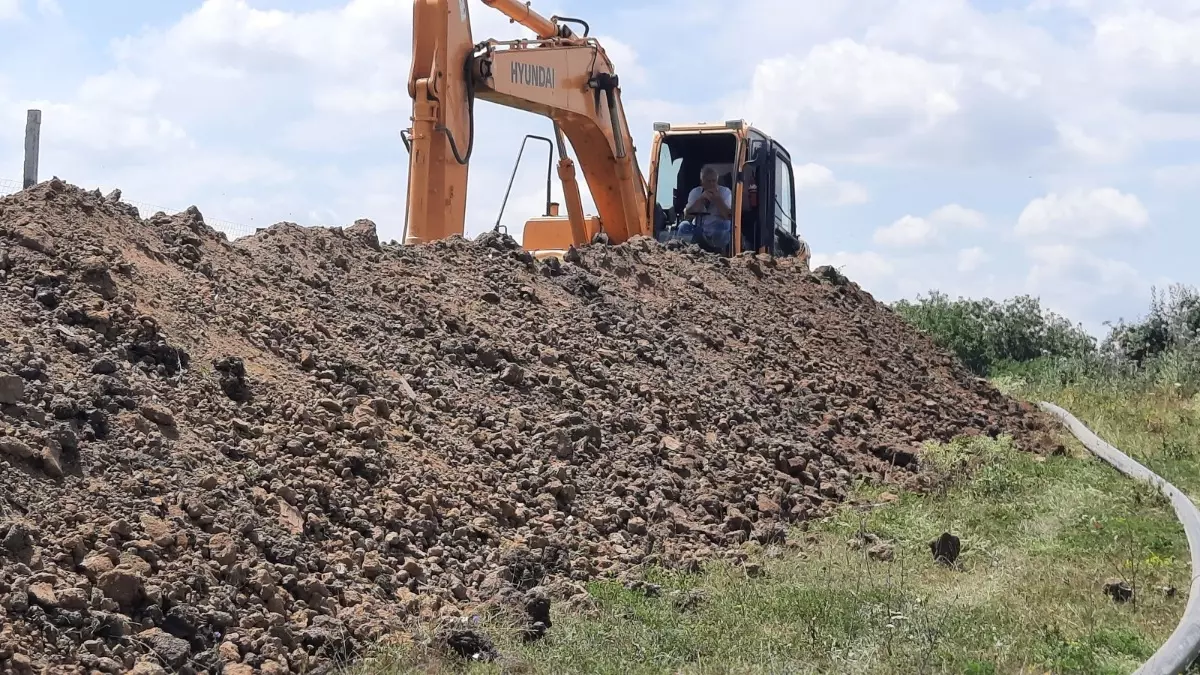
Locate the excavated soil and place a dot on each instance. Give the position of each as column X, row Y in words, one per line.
column 265, row 455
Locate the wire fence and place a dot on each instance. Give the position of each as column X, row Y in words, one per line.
column 231, row 230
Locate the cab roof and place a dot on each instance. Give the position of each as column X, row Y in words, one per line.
column 729, row 126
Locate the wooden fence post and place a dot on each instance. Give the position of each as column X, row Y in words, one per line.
column 33, row 132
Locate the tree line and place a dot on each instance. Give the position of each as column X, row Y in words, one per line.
column 1019, row 336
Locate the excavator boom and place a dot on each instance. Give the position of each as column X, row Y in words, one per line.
column 559, row 75
column 524, row 15
column 442, row 136
column 574, row 84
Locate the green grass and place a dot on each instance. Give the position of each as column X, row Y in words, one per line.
column 1156, row 426
column 1040, row 537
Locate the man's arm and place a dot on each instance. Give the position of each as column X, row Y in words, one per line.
column 724, row 202
column 694, row 205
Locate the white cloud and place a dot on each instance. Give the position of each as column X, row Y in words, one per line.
column 913, row 231
column 956, row 216
column 82, row 130
column 932, row 83
column 1146, row 52
column 818, row 181
column 971, row 259
column 1182, row 176
column 228, row 55
column 1105, row 145
column 119, row 90
column 1084, row 286
column 1082, row 214
column 906, row 231
column 1080, row 282
column 891, row 277
column 10, row 9
column 1146, row 38
column 49, row 8
column 845, row 93
column 1017, row 84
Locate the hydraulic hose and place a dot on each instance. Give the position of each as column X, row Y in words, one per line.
column 1183, row 646
column 469, row 77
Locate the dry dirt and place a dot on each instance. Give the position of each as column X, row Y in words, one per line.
column 263, row 456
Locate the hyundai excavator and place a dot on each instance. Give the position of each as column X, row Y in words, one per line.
column 566, row 75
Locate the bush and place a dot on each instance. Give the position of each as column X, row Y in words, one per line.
column 1173, row 323
column 1017, row 338
column 988, row 335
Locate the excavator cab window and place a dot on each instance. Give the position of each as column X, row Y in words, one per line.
column 785, row 206
column 668, row 180
column 768, row 213
column 680, row 160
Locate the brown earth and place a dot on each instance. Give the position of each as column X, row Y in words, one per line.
column 274, row 452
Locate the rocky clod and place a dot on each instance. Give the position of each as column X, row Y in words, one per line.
column 472, row 645
column 537, row 610
column 12, row 389
column 945, row 548
column 233, row 378
column 265, row 455
column 1119, row 590
column 875, row 547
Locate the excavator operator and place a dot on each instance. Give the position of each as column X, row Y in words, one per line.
column 710, row 205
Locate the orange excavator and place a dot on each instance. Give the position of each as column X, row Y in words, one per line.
column 567, row 76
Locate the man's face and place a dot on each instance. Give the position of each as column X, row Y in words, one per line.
column 708, row 182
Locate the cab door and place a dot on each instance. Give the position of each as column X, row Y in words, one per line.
column 785, row 239
column 758, row 185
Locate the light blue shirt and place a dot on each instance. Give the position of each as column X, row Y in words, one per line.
column 710, row 215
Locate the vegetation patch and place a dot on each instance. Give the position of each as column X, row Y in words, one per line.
column 861, row 592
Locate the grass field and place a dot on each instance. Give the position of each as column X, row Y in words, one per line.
column 1040, row 536
column 1156, row 426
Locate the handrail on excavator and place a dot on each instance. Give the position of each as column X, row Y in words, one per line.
column 517, row 165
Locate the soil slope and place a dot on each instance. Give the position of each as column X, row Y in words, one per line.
column 263, row 455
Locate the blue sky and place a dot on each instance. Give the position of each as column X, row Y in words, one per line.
column 993, row 147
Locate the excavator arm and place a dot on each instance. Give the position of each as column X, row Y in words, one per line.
column 559, row 75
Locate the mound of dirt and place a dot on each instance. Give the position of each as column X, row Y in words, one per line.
column 265, row 455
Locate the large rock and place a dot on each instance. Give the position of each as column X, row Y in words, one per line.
column 363, row 230
column 173, row 651
column 12, row 389
column 158, row 413
column 15, row 448
column 122, row 584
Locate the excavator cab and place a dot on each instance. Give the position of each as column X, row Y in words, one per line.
column 756, row 168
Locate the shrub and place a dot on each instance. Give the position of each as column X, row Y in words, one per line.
column 1172, row 323
column 988, row 335
column 1018, row 338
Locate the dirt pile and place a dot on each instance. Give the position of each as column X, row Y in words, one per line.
column 264, row 455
